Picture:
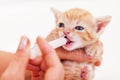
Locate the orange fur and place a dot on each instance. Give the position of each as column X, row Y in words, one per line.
column 74, row 70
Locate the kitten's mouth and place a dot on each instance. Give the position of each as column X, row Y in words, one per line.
column 69, row 42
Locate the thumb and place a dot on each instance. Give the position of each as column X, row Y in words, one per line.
column 22, row 53
column 17, row 67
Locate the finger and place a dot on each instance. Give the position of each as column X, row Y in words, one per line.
column 52, row 61
column 33, row 68
column 75, row 55
column 24, row 47
column 98, row 63
column 23, row 51
column 34, row 64
column 43, row 66
column 36, row 61
column 49, row 53
column 38, row 75
column 16, row 69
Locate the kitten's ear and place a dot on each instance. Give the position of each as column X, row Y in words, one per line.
column 102, row 23
column 56, row 13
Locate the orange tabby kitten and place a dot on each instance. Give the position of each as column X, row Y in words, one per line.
column 82, row 32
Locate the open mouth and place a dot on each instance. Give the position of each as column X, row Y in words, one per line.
column 69, row 42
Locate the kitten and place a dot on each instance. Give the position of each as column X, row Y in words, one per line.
column 82, row 32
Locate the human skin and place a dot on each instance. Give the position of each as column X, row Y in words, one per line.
column 16, row 68
column 7, row 57
column 50, row 66
column 77, row 55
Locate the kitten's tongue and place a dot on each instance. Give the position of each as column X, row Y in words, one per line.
column 68, row 40
column 68, row 43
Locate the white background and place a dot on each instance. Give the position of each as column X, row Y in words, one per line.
column 33, row 18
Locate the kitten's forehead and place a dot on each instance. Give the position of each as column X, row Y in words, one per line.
column 78, row 16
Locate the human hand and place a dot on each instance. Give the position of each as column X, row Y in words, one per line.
column 78, row 55
column 49, row 63
column 16, row 68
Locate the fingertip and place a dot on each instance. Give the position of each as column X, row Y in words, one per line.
column 24, row 43
column 33, row 67
column 98, row 63
column 49, row 53
column 44, row 46
column 23, row 47
column 39, row 40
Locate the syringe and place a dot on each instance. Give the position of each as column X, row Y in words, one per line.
column 35, row 51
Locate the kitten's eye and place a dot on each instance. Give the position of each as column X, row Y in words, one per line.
column 79, row 28
column 61, row 25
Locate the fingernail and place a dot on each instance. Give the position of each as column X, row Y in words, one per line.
column 23, row 43
column 40, row 37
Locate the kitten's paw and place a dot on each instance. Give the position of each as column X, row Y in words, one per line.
column 87, row 71
column 94, row 50
column 91, row 51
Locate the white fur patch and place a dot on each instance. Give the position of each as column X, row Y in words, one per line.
column 77, row 42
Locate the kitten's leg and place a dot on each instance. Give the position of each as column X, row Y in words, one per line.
column 95, row 50
column 87, row 71
column 78, row 71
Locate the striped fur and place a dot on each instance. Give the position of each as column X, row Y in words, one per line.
column 86, row 40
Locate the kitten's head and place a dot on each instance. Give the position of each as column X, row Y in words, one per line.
column 79, row 27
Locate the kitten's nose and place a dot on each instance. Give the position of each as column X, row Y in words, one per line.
column 66, row 33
